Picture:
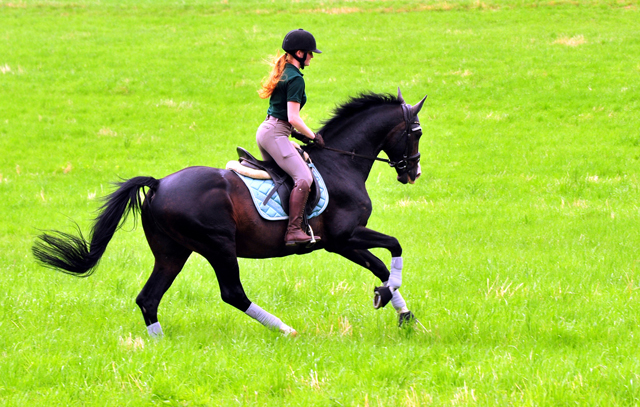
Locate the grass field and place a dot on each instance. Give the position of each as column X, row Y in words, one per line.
column 521, row 244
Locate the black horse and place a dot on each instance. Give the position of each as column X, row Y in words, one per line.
column 209, row 211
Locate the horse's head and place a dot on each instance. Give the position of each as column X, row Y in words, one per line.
column 402, row 147
column 368, row 124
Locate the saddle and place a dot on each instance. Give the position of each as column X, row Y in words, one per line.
column 283, row 183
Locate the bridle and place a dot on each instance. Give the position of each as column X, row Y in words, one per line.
column 412, row 125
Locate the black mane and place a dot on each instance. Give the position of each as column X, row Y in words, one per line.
column 355, row 105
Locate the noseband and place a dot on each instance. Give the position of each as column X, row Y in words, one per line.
column 409, row 129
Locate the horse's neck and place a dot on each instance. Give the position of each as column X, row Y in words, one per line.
column 362, row 140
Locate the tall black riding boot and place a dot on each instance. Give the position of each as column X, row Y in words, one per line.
column 297, row 201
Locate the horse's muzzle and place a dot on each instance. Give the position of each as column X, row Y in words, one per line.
column 410, row 176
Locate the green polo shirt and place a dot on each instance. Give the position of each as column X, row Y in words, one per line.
column 290, row 88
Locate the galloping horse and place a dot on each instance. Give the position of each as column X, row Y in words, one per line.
column 209, row 211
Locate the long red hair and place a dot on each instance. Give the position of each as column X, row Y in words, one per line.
column 278, row 62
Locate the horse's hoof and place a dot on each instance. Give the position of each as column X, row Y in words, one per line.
column 381, row 296
column 405, row 317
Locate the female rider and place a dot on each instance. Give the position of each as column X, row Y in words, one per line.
column 285, row 89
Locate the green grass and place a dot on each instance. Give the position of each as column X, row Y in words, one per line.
column 520, row 240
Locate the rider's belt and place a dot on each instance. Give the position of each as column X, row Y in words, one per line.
column 269, row 117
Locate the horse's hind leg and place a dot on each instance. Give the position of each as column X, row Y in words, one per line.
column 225, row 264
column 169, row 260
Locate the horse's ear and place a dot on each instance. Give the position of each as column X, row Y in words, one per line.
column 416, row 109
column 400, row 98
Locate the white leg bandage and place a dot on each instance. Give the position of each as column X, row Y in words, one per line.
column 155, row 330
column 395, row 279
column 398, row 302
column 268, row 320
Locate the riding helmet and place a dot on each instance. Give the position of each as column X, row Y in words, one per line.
column 299, row 40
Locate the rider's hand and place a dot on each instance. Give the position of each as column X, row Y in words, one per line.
column 299, row 136
column 318, row 141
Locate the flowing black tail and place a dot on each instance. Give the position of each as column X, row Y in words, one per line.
column 73, row 254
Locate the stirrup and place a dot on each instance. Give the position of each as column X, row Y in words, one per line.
column 292, row 243
column 314, row 238
column 308, row 243
column 302, row 241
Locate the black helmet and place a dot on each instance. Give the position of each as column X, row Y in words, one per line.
column 299, row 40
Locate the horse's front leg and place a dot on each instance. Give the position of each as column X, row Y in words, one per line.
column 356, row 250
column 363, row 238
column 369, row 261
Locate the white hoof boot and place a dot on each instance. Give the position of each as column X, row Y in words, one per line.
column 155, row 331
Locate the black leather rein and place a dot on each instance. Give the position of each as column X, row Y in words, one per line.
column 385, row 160
column 402, row 164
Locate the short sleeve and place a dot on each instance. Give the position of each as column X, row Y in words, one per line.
column 295, row 90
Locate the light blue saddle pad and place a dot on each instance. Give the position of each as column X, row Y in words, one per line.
column 260, row 188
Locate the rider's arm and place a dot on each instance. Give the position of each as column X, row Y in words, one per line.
column 293, row 113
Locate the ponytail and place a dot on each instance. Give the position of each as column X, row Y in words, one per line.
column 270, row 83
